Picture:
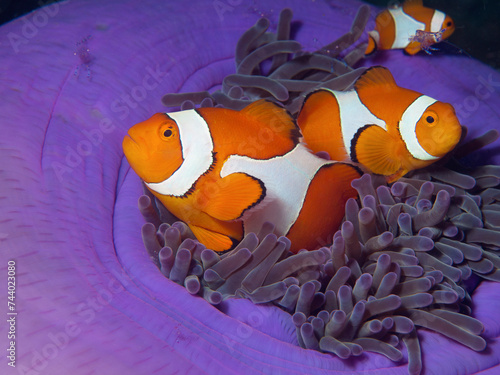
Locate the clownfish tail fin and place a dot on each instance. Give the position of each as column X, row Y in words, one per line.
column 373, row 39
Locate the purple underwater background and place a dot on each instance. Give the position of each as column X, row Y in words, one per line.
column 89, row 299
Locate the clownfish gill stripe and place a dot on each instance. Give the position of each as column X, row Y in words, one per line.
column 437, row 21
column 354, row 115
column 197, row 152
column 405, row 27
column 408, row 125
column 286, row 178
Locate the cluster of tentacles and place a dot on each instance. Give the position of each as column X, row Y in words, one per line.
column 406, row 257
column 270, row 65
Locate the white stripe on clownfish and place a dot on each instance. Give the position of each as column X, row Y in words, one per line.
column 405, row 27
column 353, row 116
column 419, row 131
column 408, row 125
column 437, row 21
column 197, row 152
column 286, row 178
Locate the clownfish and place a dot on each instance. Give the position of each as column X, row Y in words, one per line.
column 387, row 129
column 225, row 172
column 396, row 28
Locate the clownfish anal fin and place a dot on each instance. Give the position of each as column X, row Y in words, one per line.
column 273, row 116
column 228, row 198
column 396, row 176
column 212, row 240
column 413, row 48
column 374, row 80
column 375, row 149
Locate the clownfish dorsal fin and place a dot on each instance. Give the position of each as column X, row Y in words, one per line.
column 413, row 4
column 375, row 79
column 273, row 116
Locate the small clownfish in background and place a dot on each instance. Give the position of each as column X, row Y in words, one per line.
column 396, row 28
column 226, row 172
column 387, row 129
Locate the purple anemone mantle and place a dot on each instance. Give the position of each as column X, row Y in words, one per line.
column 88, row 298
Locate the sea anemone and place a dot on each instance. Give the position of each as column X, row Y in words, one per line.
column 404, row 256
column 406, row 259
column 89, row 298
column 264, row 69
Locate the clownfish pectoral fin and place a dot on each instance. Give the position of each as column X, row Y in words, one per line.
column 374, row 80
column 373, row 40
column 212, row 240
column 376, row 150
column 274, row 117
column 228, row 198
column 413, row 48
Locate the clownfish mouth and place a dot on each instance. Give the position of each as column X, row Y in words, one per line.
column 131, row 148
column 130, row 138
column 128, row 142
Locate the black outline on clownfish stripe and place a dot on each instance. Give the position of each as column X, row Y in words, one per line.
column 305, row 100
column 210, row 168
column 401, row 137
column 295, row 133
column 261, row 198
column 176, row 124
column 324, row 166
column 354, row 141
column 234, row 241
column 214, row 156
column 314, row 92
column 358, row 169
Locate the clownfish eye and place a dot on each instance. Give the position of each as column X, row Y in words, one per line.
column 167, row 132
column 430, row 118
column 449, row 23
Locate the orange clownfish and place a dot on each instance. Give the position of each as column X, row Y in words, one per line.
column 396, row 28
column 385, row 128
column 226, row 172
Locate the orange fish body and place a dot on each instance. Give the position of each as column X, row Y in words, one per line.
column 226, row 172
column 387, row 129
column 396, row 28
